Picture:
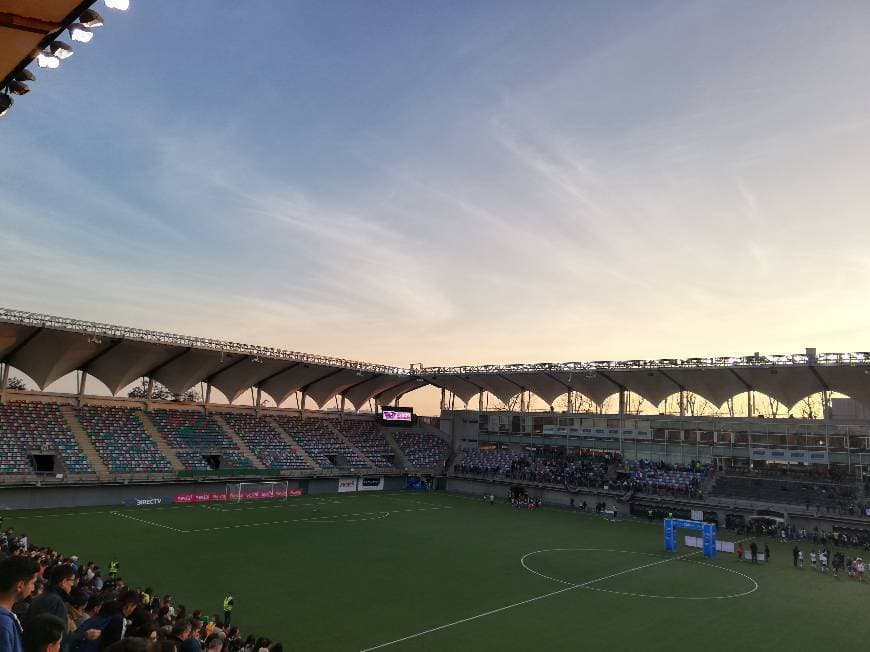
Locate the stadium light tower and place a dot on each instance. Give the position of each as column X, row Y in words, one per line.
column 121, row 5
column 61, row 50
column 45, row 59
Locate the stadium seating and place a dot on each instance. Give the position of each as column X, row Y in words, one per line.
column 265, row 442
column 485, row 462
column 367, row 437
column 422, row 450
column 120, row 438
column 318, row 440
column 193, row 435
column 654, row 477
column 27, row 427
column 823, row 495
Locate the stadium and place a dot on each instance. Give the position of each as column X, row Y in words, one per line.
column 167, row 492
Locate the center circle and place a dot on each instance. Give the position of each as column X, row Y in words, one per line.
column 650, row 562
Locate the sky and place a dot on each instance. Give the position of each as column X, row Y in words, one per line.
column 453, row 182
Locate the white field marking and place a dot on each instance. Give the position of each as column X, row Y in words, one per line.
column 642, row 595
column 530, row 600
column 142, row 520
column 326, row 518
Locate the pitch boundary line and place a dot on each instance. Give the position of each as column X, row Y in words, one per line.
column 530, row 600
column 142, row 520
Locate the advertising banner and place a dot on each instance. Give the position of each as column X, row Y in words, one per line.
column 371, row 484
column 346, row 484
column 146, row 501
column 294, row 493
column 201, row 497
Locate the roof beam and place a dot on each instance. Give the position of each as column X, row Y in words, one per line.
column 276, row 374
column 228, row 367
column 86, row 366
column 22, row 344
column 154, row 370
column 319, row 378
column 748, row 387
column 665, row 374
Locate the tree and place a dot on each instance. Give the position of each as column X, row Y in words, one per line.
column 158, row 392
column 16, row 382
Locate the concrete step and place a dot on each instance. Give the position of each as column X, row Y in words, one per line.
column 292, row 443
column 239, row 442
column 335, row 431
column 85, row 442
column 397, row 450
column 162, row 446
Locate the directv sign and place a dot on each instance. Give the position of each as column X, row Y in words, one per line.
column 147, row 502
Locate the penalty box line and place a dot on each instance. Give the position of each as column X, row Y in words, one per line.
column 529, row 601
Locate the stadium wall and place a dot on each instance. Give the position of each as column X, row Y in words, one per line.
column 114, row 495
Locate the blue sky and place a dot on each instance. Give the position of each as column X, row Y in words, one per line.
column 452, row 182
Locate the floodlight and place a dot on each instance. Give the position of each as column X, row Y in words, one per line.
column 80, row 33
column 61, row 50
column 5, row 104
column 46, row 59
column 91, row 18
column 24, row 75
column 19, row 88
column 121, row 5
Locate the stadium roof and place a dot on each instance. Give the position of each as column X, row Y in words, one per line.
column 26, row 27
column 47, row 348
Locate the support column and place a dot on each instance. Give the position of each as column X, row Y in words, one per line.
column 341, row 410
column 479, row 402
column 443, row 399
column 207, row 399
column 257, row 406
column 570, row 401
column 622, row 398
column 4, row 381
column 682, row 402
column 750, row 408
column 82, row 380
column 396, row 402
column 149, row 392
column 302, row 398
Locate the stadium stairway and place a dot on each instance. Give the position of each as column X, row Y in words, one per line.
column 397, row 450
column 293, row 444
column 162, row 446
column 240, row 444
column 335, row 431
column 85, row 442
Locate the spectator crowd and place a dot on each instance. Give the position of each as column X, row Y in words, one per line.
column 53, row 603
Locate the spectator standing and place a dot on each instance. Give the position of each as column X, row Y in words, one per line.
column 766, row 554
column 228, row 609
column 753, row 550
column 17, row 579
column 795, row 553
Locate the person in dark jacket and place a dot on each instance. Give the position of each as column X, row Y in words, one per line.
column 55, row 597
column 43, row 633
column 118, row 613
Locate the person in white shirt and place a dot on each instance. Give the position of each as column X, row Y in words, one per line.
column 801, row 558
column 813, row 559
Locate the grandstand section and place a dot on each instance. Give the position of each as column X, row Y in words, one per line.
column 199, row 441
column 367, row 438
column 321, row 443
column 120, row 439
column 422, row 450
column 34, row 436
column 265, row 441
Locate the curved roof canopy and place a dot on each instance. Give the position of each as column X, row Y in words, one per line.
column 47, row 348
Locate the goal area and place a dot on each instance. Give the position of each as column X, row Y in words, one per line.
column 239, row 491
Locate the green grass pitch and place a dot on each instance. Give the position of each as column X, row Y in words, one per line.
column 444, row 572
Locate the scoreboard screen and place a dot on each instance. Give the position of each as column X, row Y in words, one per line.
column 397, row 416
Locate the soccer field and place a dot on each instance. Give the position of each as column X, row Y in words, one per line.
column 412, row 571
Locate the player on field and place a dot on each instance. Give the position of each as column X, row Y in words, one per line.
column 813, row 559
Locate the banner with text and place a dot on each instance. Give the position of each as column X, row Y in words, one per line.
column 150, row 500
column 201, row 497
column 371, row 484
column 346, row 484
